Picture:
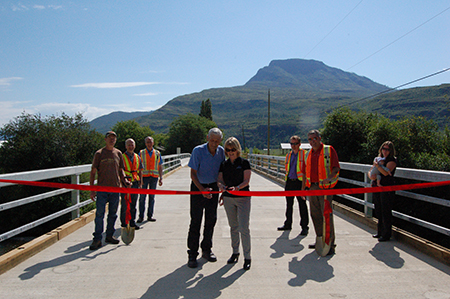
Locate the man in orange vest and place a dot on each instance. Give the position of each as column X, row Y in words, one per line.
column 293, row 163
column 321, row 171
column 133, row 171
column 152, row 163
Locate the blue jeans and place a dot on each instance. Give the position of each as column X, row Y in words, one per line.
column 102, row 199
column 148, row 182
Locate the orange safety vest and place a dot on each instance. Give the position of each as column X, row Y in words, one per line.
column 131, row 168
column 324, row 168
column 150, row 163
column 300, row 161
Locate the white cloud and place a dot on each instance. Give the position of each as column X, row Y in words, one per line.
column 7, row 81
column 114, row 84
column 39, row 6
column 146, row 94
column 55, row 7
column 19, row 7
column 11, row 110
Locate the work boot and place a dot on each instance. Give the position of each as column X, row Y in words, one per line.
column 96, row 244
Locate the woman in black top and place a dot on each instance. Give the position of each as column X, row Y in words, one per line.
column 383, row 200
column 234, row 174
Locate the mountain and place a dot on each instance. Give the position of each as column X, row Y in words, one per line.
column 300, row 91
column 104, row 123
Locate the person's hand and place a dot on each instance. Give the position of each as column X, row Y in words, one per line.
column 207, row 195
column 93, row 193
column 222, row 187
column 127, row 183
column 160, row 181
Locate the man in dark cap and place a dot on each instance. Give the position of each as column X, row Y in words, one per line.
column 108, row 164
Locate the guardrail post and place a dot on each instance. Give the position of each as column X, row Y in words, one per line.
column 75, row 179
column 368, row 212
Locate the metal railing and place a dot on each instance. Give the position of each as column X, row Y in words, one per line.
column 170, row 163
column 274, row 166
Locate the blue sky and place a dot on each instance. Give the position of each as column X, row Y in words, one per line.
column 97, row 57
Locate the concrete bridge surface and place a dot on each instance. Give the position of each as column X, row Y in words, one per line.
column 154, row 264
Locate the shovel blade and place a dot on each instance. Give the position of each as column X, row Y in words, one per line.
column 322, row 248
column 127, row 234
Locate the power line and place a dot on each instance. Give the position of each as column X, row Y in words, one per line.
column 399, row 38
column 391, row 89
column 333, row 29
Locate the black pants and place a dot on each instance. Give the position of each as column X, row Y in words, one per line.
column 304, row 218
column 383, row 211
column 198, row 204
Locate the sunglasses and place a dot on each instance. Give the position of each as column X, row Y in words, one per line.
column 295, row 143
column 385, row 148
column 230, row 150
column 311, row 139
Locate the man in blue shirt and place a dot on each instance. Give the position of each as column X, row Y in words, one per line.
column 204, row 163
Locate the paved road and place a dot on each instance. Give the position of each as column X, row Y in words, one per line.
column 154, row 265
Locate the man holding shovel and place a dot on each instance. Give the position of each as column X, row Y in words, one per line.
column 133, row 171
column 321, row 171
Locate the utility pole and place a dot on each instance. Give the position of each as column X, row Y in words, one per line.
column 268, row 124
column 243, row 138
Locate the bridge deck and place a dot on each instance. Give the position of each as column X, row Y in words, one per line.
column 154, row 264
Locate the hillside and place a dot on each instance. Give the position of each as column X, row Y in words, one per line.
column 301, row 93
column 104, row 123
column 300, row 90
column 431, row 102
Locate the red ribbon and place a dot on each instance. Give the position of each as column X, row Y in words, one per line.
column 239, row 193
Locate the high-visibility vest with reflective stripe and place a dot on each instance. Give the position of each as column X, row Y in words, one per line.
column 150, row 163
column 300, row 161
column 324, row 168
column 131, row 168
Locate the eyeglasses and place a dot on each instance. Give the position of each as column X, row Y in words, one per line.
column 295, row 143
column 385, row 148
column 230, row 150
column 311, row 139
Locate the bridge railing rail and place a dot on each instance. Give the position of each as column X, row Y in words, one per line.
column 170, row 162
column 274, row 166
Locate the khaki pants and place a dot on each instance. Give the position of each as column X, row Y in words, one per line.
column 316, row 206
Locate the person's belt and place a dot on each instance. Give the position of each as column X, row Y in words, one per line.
column 210, row 184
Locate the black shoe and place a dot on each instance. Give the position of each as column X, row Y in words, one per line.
column 284, row 228
column 376, row 236
column 383, row 239
column 111, row 240
column 192, row 262
column 96, row 244
column 247, row 264
column 304, row 232
column 209, row 256
column 151, row 219
column 233, row 259
column 140, row 220
column 312, row 246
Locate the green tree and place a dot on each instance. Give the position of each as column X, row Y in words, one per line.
column 206, row 109
column 33, row 142
column 347, row 132
column 131, row 129
column 188, row 131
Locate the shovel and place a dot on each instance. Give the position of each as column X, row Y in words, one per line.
column 323, row 243
column 127, row 233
